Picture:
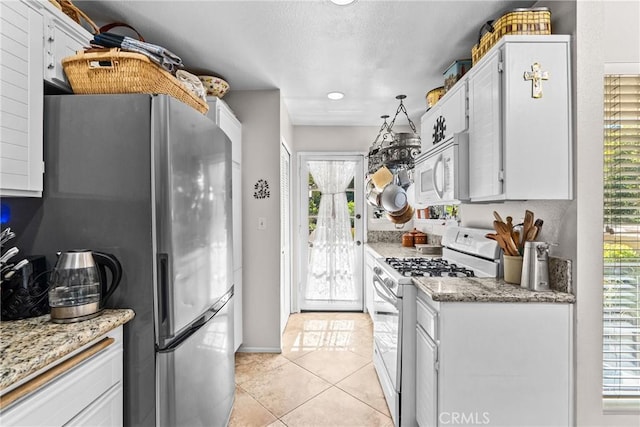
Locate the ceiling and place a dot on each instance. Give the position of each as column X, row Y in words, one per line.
column 370, row 50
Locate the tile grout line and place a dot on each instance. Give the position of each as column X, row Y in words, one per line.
column 259, row 403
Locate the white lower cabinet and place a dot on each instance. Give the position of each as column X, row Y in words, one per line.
column 426, row 379
column 104, row 412
column 88, row 394
column 368, row 280
column 493, row 363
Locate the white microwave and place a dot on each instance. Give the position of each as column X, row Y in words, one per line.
column 441, row 175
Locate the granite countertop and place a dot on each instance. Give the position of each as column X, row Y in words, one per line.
column 29, row 345
column 396, row 250
column 457, row 289
column 449, row 289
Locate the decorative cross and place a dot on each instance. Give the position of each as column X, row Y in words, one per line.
column 536, row 76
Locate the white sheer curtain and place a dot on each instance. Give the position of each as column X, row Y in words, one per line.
column 332, row 258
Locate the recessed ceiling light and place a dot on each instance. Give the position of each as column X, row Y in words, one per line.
column 335, row 95
column 342, row 2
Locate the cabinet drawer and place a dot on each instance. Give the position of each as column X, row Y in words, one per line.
column 427, row 318
column 64, row 397
column 104, row 412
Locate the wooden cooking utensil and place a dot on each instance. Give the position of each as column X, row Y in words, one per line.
column 497, row 216
column 504, row 232
column 527, row 224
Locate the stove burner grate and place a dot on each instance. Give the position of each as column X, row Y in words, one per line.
column 430, row 267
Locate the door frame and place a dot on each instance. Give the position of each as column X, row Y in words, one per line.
column 303, row 217
column 286, row 241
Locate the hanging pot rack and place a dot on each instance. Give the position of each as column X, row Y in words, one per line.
column 395, row 150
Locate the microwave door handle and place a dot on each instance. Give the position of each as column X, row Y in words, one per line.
column 384, row 292
column 439, row 162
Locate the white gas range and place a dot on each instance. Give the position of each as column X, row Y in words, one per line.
column 466, row 253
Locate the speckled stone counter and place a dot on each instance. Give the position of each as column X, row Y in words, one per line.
column 484, row 290
column 395, row 250
column 29, row 345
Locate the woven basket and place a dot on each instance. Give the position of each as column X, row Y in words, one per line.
column 73, row 12
column 116, row 71
column 518, row 21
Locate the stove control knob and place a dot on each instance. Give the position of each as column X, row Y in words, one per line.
column 377, row 270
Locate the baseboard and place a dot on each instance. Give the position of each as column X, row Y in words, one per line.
column 244, row 349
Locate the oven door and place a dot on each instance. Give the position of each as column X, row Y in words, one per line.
column 387, row 329
column 441, row 175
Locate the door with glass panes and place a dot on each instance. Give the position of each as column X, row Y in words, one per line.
column 331, row 232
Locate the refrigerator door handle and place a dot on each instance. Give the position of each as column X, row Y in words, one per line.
column 165, row 298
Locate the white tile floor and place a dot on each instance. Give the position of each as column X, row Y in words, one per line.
column 324, row 377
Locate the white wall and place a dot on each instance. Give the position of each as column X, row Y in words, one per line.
column 607, row 31
column 259, row 112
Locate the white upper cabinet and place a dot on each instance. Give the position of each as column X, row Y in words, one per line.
column 62, row 37
column 520, row 140
column 35, row 36
column 446, row 117
column 21, row 101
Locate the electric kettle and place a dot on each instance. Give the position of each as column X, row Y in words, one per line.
column 78, row 286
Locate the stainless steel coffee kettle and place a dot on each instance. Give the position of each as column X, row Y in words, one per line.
column 78, row 286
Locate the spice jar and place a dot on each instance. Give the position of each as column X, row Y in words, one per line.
column 407, row 240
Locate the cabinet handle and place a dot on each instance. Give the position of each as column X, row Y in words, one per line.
column 53, row 373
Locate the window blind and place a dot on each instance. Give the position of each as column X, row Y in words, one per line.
column 621, row 302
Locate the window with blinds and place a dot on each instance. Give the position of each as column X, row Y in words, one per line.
column 621, row 303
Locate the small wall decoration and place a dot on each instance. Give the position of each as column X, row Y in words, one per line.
column 261, row 189
column 536, row 75
column 439, row 128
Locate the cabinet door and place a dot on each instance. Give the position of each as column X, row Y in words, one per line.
column 63, row 38
column 427, row 128
column 447, row 117
column 368, row 283
column 21, row 98
column 485, row 136
column 106, row 411
column 426, row 380
column 537, row 130
column 454, row 109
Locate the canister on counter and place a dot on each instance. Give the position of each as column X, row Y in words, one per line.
column 408, row 240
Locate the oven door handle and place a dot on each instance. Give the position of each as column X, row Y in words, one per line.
column 384, row 293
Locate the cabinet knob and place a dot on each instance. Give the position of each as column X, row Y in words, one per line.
column 358, row 216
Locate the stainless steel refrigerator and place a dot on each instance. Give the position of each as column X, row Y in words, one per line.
column 148, row 179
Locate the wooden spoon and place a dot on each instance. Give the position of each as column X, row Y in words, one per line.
column 505, row 233
column 527, row 224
